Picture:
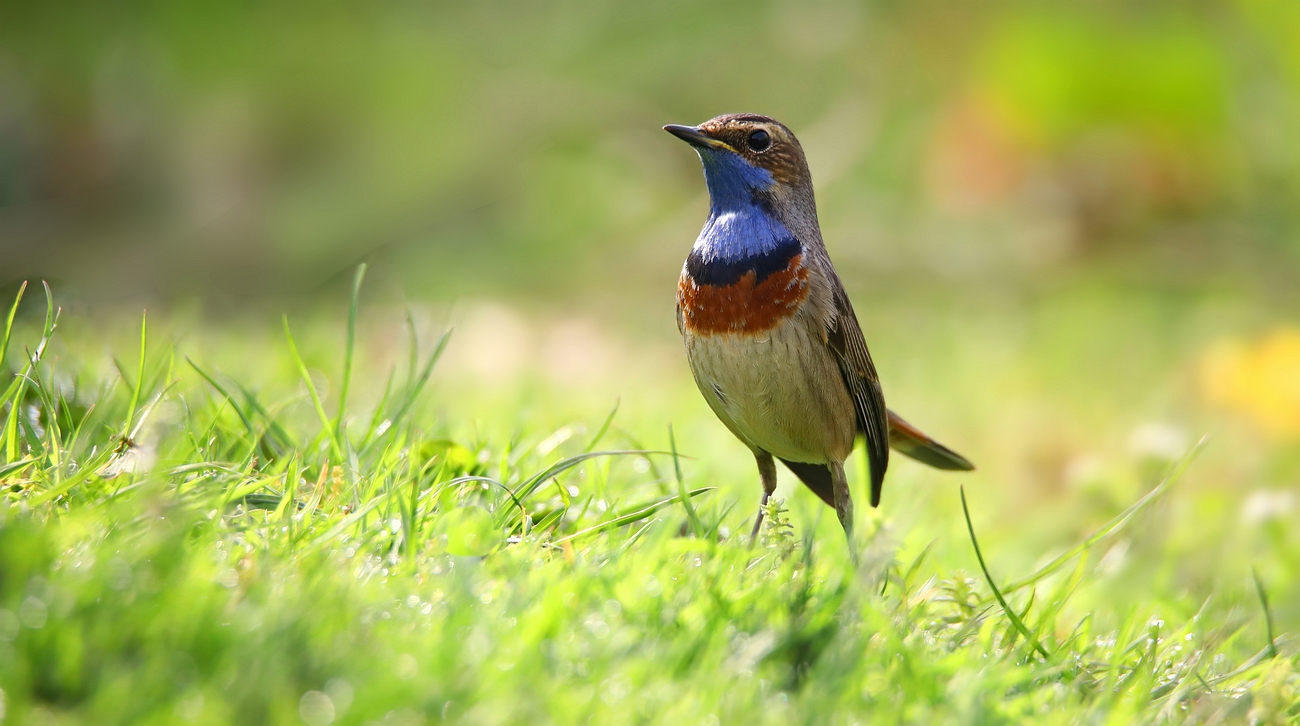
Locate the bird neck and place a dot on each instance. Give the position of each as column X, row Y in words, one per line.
column 738, row 232
column 732, row 181
column 750, row 214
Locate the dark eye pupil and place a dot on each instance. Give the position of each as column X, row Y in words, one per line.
column 759, row 140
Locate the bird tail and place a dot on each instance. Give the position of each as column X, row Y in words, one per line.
column 903, row 437
column 816, row 477
column 909, row 441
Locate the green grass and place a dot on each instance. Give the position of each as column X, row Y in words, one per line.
column 180, row 546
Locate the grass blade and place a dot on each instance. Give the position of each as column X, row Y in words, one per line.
column 696, row 525
column 347, row 351
column 604, row 428
column 1011, row 614
column 220, row 389
column 18, row 388
column 530, row 485
column 632, row 516
column 90, row 469
column 9, row 322
column 1268, row 615
column 413, row 391
column 139, row 377
column 335, row 447
column 15, row 466
column 1114, row 525
column 274, row 430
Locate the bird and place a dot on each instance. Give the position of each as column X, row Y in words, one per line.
column 770, row 335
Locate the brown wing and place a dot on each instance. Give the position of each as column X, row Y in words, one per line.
column 844, row 337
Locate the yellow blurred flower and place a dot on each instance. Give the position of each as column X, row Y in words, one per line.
column 1260, row 378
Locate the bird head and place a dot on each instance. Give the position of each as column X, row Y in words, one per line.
column 749, row 159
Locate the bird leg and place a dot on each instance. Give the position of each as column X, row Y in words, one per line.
column 843, row 503
column 767, row 472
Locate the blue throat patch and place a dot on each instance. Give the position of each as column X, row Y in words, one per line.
column 742, row 234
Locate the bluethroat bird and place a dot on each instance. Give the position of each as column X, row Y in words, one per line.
column 770, row 334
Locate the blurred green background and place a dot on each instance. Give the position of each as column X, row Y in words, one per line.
column 221, row 150
column 1071, row 231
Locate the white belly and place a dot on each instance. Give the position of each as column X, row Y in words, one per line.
column 780, row 391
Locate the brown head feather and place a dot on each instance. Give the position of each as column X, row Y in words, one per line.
column 784, row 158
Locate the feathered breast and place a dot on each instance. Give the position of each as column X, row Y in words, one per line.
column 749, row 294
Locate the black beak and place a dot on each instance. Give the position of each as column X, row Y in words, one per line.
column 693, row 136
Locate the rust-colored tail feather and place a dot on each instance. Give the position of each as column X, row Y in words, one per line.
column 909, row 441
column 904, row 438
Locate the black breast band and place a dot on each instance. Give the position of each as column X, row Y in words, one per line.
column 723, row 272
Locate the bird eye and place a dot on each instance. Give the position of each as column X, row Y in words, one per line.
column 759, row 140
